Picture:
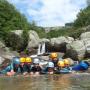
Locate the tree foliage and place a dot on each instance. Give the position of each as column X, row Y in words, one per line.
column 11, row 19
column 83, row 18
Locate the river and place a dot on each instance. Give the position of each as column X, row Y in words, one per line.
column 46, row 82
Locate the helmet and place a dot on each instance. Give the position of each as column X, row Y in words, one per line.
column 28, row 60
column 36, row 61
column 53, row 55
column 66, row 61
column 22, row 60
column 50, row 64
column 60, row 63
column 16, row 60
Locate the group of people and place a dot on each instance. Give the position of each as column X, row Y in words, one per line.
column 27, row 66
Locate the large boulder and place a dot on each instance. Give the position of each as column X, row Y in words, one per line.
column 85, row 35
column 5, row 53
column 76, row 50
column 44, row 40
column 87, row 46
column 33, row 39
column 59, row 44
column 17, row 32
column 15, row 40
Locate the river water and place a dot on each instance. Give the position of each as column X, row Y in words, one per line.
column 46, row 82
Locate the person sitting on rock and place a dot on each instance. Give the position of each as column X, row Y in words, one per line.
column 13, row 67
column 36, row 69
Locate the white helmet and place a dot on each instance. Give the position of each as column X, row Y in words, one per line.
column 36, row 61
column 50, row 64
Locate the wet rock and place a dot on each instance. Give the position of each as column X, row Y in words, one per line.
column 46, row 58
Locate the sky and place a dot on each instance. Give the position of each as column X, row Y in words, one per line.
column 49, row 13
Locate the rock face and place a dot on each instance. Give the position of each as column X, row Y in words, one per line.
column 5, row 53
column 33, row 39
column 87, row 45
column 76, row 50
column 44, row 40
column 86, row 39
column 17, row 32
column 85, row 35
column 59, row 44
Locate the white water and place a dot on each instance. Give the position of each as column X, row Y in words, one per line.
column 41, row 48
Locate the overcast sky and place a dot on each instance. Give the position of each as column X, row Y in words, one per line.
column 49, row 13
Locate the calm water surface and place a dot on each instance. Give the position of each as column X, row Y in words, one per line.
column 47, row 82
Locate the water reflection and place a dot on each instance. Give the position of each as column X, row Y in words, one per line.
column 46, row 82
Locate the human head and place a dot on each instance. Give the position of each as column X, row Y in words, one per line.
column 16, row 61
column 61, row 64
column 53, row 55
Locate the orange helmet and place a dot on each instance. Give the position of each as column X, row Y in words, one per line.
column 53, row 55
column 61, row 64
column 66, row 62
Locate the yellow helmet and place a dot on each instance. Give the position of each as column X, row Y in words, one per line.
column 53, row 55
column 66, row 61
column 28, row 60
column 60, row 63
column 22, row 60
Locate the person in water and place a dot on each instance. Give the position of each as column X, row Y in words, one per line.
column 54, row 59
column 36, row 69
column 63, row 67
column 50, row 68
column 81, row 66
column 12, row 68
column 28, row 63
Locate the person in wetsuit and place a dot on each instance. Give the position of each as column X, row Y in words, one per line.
column 36, row 68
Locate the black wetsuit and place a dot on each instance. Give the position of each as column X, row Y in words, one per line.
column 36, row 69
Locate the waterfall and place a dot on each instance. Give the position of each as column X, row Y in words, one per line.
column 41, row 48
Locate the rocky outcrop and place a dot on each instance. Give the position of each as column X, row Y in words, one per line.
column 33, row 39
column 17, row 32
column 59, row 44
column 85, row 35
column 76, row 50
column 5, row 53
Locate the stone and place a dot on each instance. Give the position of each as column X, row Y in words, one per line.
column 33, row 39
column 76, row 50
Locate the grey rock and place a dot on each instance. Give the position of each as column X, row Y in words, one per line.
column 76, row 50
column 33, row 39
